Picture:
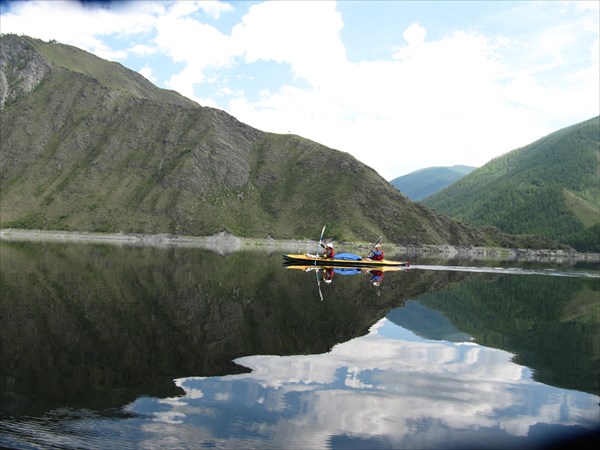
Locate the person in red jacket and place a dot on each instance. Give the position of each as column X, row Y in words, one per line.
column 376, row 254
column 329, row 251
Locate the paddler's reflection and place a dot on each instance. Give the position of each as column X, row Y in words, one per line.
column 327, row 274
column 375, row 277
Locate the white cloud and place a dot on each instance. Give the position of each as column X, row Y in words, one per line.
column 586, row 5
column 383, row 111
column 189, row 41
column 454, row 100
column 198, row 46
column 415, row 34
column 143, row 50
column 179, row 9
column 302, row 34
column 148, row 73
column 72, row 23
column 213, row 8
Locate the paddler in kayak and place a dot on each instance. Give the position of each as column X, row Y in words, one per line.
column 376, row 254
column 329, row 251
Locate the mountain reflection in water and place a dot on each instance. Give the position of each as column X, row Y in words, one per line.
column 93, row 337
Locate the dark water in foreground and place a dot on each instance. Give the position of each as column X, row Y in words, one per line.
column 136, row 347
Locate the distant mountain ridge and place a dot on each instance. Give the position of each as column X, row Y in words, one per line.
column 422, row 183
column 550, row 188
column 88, row 145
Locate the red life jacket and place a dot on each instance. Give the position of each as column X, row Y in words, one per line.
column 378, row 255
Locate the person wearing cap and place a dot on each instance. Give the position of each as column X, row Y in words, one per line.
column 376, row 254
column 329, row 251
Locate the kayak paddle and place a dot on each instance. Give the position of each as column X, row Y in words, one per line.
column 316, row 256
column 320, row 240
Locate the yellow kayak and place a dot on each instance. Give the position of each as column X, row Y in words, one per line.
column 311, row 267
column 308, row 259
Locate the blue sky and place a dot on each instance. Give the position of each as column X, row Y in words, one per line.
column 400, row 85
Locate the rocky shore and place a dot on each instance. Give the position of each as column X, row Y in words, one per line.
column 225, row 243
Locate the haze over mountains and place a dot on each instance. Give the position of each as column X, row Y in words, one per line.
column 88, row 145
column 422, row 183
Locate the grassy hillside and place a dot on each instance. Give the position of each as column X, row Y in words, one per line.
column 549, row 188
column 425, row 182
column 88, row 145
column 109, row 74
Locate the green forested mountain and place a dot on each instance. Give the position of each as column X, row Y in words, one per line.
column 425, row 182
column 88, row 145
column 549, row 188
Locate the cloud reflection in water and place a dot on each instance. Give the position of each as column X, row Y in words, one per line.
column 390, row 388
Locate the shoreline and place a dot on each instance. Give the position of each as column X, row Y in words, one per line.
column 225, row 243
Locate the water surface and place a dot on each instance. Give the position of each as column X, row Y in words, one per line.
column 138, row 347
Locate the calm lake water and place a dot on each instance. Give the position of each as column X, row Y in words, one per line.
column 106, row 346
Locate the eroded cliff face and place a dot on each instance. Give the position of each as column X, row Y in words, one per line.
column 21, row 68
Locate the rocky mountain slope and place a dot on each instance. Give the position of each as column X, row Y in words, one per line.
column 89, row 145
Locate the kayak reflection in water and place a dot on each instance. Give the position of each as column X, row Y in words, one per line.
column 375, row 277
